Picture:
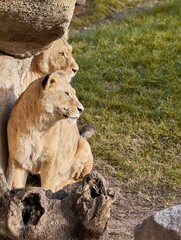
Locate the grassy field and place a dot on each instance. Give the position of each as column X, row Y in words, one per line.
column 101, row 9
column 130, row 84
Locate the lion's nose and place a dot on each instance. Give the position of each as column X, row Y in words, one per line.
column 80, row 109
column 75, row 67
column 74, row 70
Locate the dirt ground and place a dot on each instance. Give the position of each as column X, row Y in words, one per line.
column 127, row 211
column 131, row 208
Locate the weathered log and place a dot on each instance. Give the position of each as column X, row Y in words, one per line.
column 78, row 211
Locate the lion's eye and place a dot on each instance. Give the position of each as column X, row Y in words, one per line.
column 68, row 95
column 62, row 54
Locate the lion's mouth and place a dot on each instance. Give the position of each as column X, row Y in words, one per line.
column 65, row 115
column 71, row 117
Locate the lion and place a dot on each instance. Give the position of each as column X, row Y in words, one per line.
column 43, row 136
column 57, row 56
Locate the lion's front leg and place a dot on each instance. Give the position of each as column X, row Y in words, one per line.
column 16, row 175
column 64, row 183
column 20, row 178
column 48, row 175
column 83, row 160
column 81, row 165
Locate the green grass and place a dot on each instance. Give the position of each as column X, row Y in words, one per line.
column 101, row 9
column 130, row 84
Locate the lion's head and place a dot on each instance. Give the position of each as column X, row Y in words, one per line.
column 57, row 57
column 58, row 97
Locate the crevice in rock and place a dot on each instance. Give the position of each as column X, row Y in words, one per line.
column 94, row 193
column 33, row 210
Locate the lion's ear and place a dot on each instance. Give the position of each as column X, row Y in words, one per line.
column 47, row 81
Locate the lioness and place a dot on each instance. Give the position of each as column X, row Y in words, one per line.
column 57, row 56
column 43, row 135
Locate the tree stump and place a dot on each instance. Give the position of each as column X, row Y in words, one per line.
column 78, row 211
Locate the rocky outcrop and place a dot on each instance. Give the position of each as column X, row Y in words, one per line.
column 162, row 225
column 12, row 71
column 27, row 26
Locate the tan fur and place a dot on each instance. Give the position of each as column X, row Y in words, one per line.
column 58, row 56
column 43, row 135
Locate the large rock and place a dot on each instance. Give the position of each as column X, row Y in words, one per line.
column 12, row 72
column 27, row 26
column 162, row 225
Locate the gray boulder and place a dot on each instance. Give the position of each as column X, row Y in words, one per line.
column 27, row 26
column 162, row 225
column 12, row 72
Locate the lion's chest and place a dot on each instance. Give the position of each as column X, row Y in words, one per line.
column 67, row 144
column 32, row 151
column 58, row 144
